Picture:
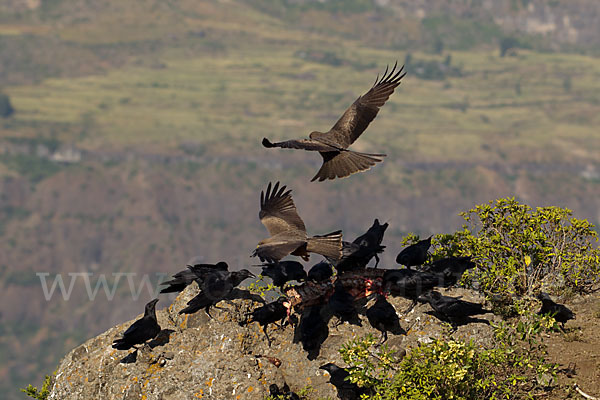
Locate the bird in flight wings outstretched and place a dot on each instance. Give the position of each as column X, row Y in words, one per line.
column 288, row 233
column 338, row 161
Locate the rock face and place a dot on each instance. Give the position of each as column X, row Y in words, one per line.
column 198, row 357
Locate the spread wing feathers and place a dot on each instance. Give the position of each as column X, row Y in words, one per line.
column 345, row 163
column 360, row 114
column 329, row 245
column 278, row 212
column 304, row 144
column 276, row 250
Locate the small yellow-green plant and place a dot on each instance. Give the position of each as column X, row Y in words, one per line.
column 454, row 369
column 41, row 394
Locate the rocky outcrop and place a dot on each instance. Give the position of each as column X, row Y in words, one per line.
column 198, row 357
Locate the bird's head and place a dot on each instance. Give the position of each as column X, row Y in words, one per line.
column 244, row 273
column 149, row 309
column 267, row 143
column 222, row 265
column 329, row 367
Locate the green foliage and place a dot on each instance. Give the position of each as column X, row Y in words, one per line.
column 519, row 250
column 41, row 394
column 512, row 367
column 262, row 288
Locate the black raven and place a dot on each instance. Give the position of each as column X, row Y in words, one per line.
column 320, row 272
column 313, row 331
column 341, row 304
column 382, row 316
column 142, row 330
column 559, row 312
column 450, row 269
column 338, row 377
column 356, row 255
column 409, row 283
column 216, row 287
column 267, row 314
column 195, row 272
column 284, row 271
column 415, row 254
column 452, row 309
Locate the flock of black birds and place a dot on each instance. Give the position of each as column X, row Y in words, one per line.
column 331, row 287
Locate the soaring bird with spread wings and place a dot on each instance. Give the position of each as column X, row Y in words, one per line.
column 338, row 161
column 288, row 233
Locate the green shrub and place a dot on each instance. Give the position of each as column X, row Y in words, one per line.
column 519, row 250
column 513, row 367
column 41, row 394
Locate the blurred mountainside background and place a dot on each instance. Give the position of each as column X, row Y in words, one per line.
column 130, row 135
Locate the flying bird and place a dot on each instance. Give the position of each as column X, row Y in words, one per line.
column 288, row 234
column 338, row 161
column 142, row 330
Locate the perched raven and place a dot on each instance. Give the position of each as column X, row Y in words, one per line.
column 356, row 255
column 452, row 309
column 559, row 312
column 288, row 234
column 450, row 269
column 142, row 330
column 341, row 304
column 267, row 314
column 195, row 272
column 338, row 377
column 415, row 254
column 284, row 271
column 409, row 283
column 382, row 316
column 313, row 331
column 320, row 272
column 216, row 287
column 338, row 161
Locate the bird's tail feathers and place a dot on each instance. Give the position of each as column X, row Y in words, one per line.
column 345, row 163
column 329, row 245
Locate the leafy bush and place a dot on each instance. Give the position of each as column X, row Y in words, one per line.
column 519, row 250
column 513, row 367
column 41, row 394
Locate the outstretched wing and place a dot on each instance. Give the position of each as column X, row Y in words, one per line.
column 278, row 212
column 303, row 144
column 360, row 114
